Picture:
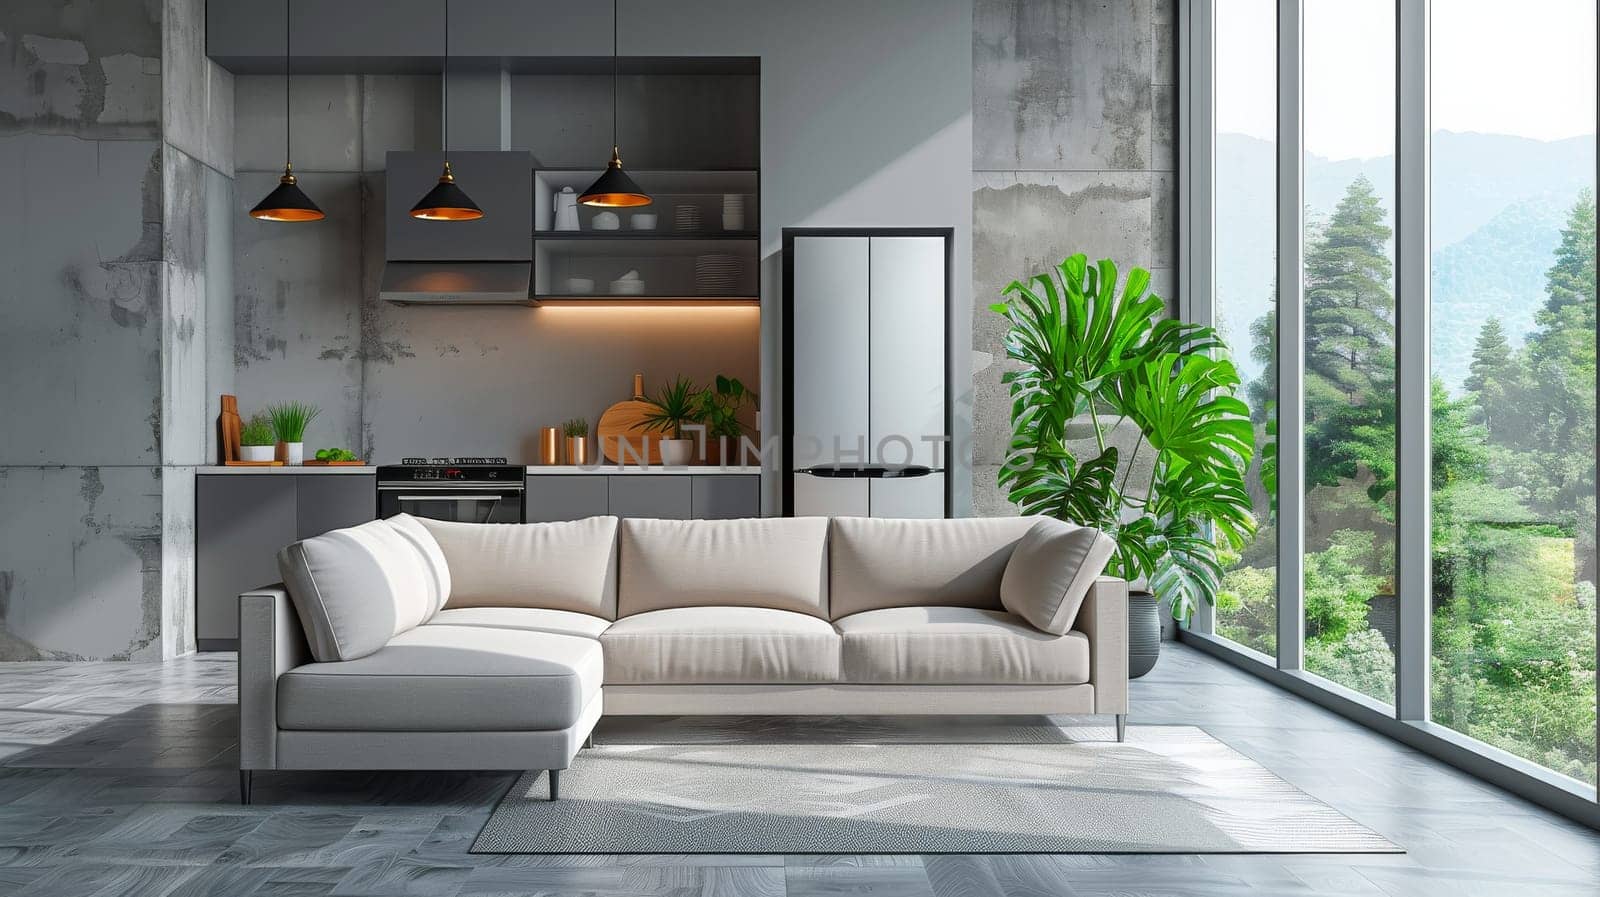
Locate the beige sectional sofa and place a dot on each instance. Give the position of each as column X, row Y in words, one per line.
column 419, row 644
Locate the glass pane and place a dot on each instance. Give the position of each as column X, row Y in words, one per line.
column 1246, row 233
column 1349, row 67
column 1514, row 378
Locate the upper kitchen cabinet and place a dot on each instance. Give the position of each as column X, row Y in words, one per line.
column 390, row 36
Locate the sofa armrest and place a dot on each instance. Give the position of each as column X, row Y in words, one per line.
column 270, row 644
column 1104, row 619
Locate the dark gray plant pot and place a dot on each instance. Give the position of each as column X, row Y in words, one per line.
column 1144, row 633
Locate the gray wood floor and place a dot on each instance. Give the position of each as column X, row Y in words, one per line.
column 120, row 779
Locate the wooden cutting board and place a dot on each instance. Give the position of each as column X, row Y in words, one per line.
column 624, row 423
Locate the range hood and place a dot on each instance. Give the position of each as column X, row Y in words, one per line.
column 456, row 283
column 485, row 261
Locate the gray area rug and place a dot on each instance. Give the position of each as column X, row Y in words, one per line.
column 1168, row 789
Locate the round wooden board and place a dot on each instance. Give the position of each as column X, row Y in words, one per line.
column 624, row 421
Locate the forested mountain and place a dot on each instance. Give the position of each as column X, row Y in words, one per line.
column 1499, row 203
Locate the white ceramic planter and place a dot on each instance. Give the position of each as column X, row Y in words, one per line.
column 677, row 452
column 292, row 452
column 256, row 452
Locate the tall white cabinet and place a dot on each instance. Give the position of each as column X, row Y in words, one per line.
column 866, row 372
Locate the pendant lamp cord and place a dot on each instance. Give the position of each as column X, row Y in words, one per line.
column 613, row 74
column 444, row 84
column 288, row 120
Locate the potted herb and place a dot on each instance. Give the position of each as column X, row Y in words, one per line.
column 576, row 431
column 256, row 439
column 289, row 422
column 719, row 406
column 675, row 407
column 1095, row 360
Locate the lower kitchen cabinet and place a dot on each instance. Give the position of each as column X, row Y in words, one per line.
column 724, row 498
column 243, row 520
column 552, row 497
column 549, row 498
column 638, row 495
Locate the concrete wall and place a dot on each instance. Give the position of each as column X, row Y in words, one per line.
column 101, row 321
column 1074, row 129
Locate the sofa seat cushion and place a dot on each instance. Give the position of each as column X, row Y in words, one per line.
column 720, row 645
column 957, row 646
column 448, row 679
column 529, row 619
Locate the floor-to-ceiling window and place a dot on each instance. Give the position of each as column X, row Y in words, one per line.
column 1245, row 292
column 1448, row 566
column 1348, row 279
column 1513, row 345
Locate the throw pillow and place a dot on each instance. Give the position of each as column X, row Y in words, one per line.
column 1050, row 572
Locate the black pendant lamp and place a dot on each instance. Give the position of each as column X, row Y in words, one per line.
column 614, row 189
column 446, row 201
column 287, row 202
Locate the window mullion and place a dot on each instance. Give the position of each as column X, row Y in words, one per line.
column 1291, row 339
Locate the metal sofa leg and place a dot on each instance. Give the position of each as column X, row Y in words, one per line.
column 589, row 742
column 244, row 786
column 1122, row 727
column 555, row 784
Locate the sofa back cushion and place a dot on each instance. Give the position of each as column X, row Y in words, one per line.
column 356, row 588
column 411, row 529
column 570, row 565
column 775, row 562
column 1051, row 571
column 883, row 562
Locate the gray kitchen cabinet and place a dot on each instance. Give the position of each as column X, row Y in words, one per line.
column 331, row 501
column 650, row 496
column 243, row 520
column 550, row 498
column 724, row 497
column 240, row 523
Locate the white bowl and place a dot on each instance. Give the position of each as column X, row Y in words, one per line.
column 580, row 284
column 643, row 221
column 627, row 287
column 605, row 221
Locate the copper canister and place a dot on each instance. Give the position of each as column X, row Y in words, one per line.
column 578, row 450
column 549, row 445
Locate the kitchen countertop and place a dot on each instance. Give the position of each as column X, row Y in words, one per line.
column 287, row 468
column 697, row 470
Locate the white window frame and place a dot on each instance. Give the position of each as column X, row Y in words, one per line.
column 1408, row 720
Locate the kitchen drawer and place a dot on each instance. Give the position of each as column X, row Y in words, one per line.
column 634, row 495
column 551, row 498
column 724, row 497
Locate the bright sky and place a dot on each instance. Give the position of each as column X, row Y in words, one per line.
column 1524, row 68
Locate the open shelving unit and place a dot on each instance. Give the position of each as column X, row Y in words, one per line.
column 664, row 257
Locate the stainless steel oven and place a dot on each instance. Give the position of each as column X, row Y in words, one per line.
column 468, row 490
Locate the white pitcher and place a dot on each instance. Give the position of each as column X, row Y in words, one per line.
column 566, row 209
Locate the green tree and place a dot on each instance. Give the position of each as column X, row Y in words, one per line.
column 1496, row 379
column 1349, row 329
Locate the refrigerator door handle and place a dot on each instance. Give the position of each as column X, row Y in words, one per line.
column 868, row 472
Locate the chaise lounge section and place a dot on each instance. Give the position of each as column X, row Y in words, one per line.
column 418, row 644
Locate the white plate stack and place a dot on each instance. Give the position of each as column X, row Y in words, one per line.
column 686, row 217
column 718, row 274
column 733, row 211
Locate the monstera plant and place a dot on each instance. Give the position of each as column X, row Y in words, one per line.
column 1090, row 358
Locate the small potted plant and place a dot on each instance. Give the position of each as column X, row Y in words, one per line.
column 675, row 407
column 720, row 405
column 576, row 431
column 256, row 439
column 289, row 422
